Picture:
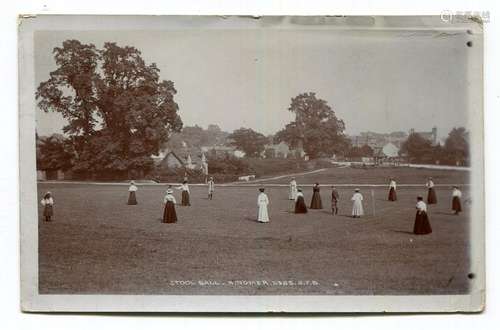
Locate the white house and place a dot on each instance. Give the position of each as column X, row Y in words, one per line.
column 390, row 150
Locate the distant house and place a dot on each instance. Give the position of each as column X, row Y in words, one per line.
column 222, row 150
column 390, row 150
column 171, row 161
column 429, row 136
column 280, row 150
column 378, row 140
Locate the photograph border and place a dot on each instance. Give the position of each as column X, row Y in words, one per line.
column 32, row 301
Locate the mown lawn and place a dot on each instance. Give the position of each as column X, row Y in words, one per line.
column 380, row 175
column 97, row 244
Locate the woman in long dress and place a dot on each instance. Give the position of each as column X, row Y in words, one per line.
column 169, row 214
column 185, row 193
column 431, row 193
column 456, row 204
column 422, row 225
column 292, row 193
column 48, row 206
column 300, row 203
column 131, row 194
column 335, row 200
column 316, row 198
column 211, row 188
column 392, row 191
column 357, row 205
column 262, row 203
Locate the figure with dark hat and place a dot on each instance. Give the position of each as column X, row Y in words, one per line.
column 316, row 198
column 48, row 206
column 422, row 225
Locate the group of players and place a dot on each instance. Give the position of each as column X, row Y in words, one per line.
column 421, row 227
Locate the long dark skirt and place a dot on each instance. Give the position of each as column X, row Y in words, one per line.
column 456, row 205
column 422, row 225
column 316, row 201
column 392, row 195
column 185, row 198
column 300, row 205
column 131, row 198
column 431, row 196
column 48, row 211
column 169, row 214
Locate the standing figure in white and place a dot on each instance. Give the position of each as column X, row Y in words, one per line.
column 292, row 194
column 262, row 203
column 357, row 205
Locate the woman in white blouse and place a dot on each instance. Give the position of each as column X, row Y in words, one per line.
column 169, row 214
column 456, row 204
column 185, row 193
column 131, row 194
column 431, row 193
column 422, row 225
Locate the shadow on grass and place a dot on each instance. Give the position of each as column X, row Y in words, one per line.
column 408, row 232
column 250, row 219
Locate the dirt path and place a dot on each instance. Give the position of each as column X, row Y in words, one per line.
column 281, row 176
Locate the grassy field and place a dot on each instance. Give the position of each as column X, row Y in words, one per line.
column 381, row 175
column 98, row 244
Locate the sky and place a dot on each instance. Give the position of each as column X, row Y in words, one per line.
column 379, row 81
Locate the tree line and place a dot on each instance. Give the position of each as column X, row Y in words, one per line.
column 119, row 113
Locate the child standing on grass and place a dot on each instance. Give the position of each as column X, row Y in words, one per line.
column 169, row 214
column 131, row 193
column 48, row 203
column 211, row 188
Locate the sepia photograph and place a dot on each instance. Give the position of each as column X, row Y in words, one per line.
column 251, row 164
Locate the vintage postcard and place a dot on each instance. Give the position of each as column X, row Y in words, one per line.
column 251, row 164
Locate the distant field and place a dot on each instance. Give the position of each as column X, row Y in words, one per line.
column 380, row 175
column 97, row 244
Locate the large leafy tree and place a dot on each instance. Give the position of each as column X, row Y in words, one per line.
column 316, row 128
column 417, row 148
column 252, row 143
column 119, row 111
column 456, row 146
column 54, row 153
